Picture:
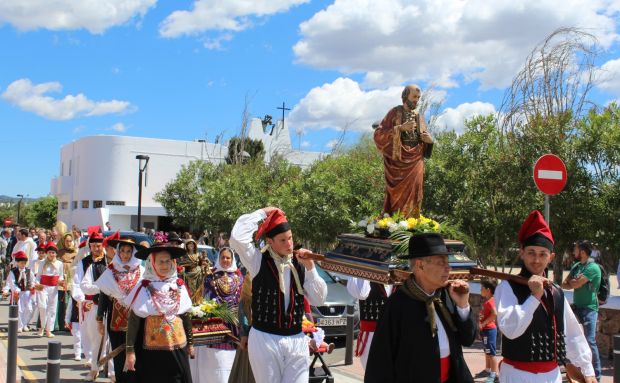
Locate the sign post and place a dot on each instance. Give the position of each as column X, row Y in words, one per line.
column 550, row 177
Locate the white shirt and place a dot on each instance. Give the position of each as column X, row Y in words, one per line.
column 11, row 283
column 87, row 284
column 360, row 288
column 28, row 246
column 513, row 319
column 51, row 268
column 241, row 241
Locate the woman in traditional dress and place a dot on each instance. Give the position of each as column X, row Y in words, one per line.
column 241, row 369
column 214, row 361
column 193, row 274
column 122, row 275
column 159, row 331
column 66, row 254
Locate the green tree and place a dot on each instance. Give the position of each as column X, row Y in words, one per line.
column 42, row 212
column 237, row 145
column 335, row 191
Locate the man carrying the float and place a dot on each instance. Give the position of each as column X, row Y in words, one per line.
column 425, row 322
column 372, row 297
column 538, row 326
column 278, row 349
column 20, row 282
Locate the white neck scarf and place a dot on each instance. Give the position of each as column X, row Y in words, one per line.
column 282, row 263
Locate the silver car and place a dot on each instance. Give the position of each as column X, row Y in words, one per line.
column 332, row 315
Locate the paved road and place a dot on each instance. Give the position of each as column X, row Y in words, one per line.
column 32, row 354
column 32, row 358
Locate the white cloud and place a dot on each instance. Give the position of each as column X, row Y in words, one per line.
column 442, row 41
column 342, row 104
column 216, row 43
column 119, row 127
column 94, row 16
column 454, row 118
column 331, row 144
column 305, row 144
column 221, row 15
column 32, row 98
column 608, row 77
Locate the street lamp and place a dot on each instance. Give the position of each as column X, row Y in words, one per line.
column 143, row 161
column 19, row 206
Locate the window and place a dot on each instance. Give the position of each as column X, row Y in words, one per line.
column 85, row 204
column 97, row 204
column 115, row 203
column 74, row 205
column 64, row 205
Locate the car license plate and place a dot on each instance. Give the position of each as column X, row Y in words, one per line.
column 332, row 322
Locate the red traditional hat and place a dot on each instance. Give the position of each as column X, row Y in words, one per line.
column 51, row 246
column 82, row 244
column 20, row 256
column 535, row 232
column 274, row 224
column 95, row 237
column 115, row 236
column 93, row 229
column 41, row 247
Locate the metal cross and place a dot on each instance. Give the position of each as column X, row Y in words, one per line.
column 283, row 108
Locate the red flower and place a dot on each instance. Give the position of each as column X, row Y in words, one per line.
column 180, row 269
column 111, row 266
column 166, row 327
column 180, row 282
column 145, row 282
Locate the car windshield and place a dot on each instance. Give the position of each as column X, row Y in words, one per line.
column 327, row 277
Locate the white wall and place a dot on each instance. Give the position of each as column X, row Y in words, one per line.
column 105, row 168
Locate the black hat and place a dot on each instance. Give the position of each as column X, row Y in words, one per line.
column 174, row 237
column 425, row 245
column 125, row 241
column 175, row 251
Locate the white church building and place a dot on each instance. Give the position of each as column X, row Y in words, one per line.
column 98, row 179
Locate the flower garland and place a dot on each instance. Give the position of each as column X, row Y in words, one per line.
column 212, row 309
column 384, row 225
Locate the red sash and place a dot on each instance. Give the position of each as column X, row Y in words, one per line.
column 49, row 280
column 89, row 297
column 445, row 368
column 533, row 367
column 368, row 325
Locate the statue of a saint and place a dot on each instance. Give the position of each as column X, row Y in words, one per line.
column 404, row 142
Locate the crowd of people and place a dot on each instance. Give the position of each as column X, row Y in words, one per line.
column 130, row 305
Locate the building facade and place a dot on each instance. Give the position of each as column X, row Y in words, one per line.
column 98, row 175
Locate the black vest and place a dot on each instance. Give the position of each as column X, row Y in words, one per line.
column 98, row 269
column 371, row 308
column 539, row 342
column 23, row 285
column 268, row 311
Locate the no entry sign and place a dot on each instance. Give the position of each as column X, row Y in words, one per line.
column 550, row 174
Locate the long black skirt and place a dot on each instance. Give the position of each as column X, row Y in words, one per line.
column 157, row 366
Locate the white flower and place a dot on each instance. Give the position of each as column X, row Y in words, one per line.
column 363, row 223
column 197, row 312
column 386, row 215
column 403, row 225
column 370, row 228
column 392, row 228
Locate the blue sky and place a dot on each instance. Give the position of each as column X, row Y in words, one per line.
column 182, row 69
